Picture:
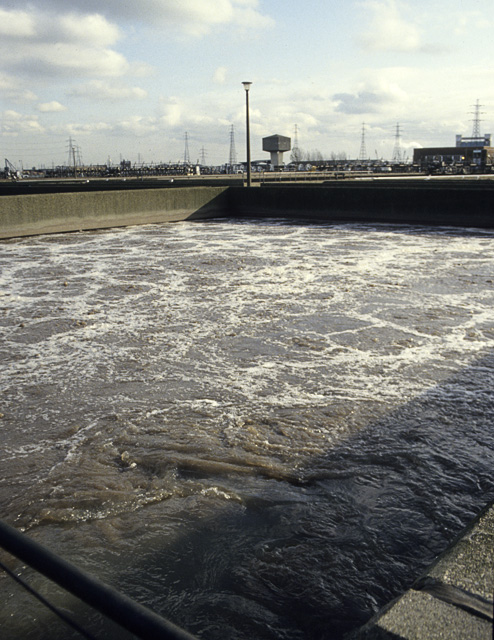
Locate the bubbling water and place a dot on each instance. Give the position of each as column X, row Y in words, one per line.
column 258, row 429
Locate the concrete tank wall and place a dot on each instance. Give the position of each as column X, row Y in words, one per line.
column 407, row 203
column 419, row 203
column 55, row 212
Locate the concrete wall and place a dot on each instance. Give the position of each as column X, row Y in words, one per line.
column 55, row 212
column 428, row 203
column 417, row 203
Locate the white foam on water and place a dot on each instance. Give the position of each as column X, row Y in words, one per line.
column 170, row 327
column 275, row 403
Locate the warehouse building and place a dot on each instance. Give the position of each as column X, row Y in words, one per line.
column 474, row 154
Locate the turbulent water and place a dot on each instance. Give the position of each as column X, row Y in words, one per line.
column 261, row 430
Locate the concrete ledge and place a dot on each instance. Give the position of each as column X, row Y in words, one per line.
column 420, row 616
column 452, row 600
column 469, row 563
column 23, row 215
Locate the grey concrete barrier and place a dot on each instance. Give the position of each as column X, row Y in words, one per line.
column 419, row 202
column 407, row 202
column 23, row 215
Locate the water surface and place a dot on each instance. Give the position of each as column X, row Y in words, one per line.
column 258, row 429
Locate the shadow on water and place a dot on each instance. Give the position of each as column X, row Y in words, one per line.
column 370, row 514
column 353, row 529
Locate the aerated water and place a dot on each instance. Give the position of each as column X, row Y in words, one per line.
column 260, row 430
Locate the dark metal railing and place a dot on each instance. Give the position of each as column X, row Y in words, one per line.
column 134, row 617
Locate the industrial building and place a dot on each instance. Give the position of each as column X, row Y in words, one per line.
column 470, row 155
column 468, row 158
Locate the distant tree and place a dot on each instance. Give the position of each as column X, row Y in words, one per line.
column 340, row 156
column 314, row 155
column 297, row 154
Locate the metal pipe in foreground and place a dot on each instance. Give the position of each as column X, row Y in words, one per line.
column 134, row 617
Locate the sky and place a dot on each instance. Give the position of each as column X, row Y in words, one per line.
column 121, row 79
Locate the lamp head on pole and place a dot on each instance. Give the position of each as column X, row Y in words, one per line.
column 246, row 85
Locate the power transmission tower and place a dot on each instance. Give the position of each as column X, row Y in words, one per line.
column 203, row 156
column 362, row 156
column 233, row 154
column 186, row 150
column 72, row 160
column 397, row 153
column 296, row 155
column 477, row 120
column 71, row 155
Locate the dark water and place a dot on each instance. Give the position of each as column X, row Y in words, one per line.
column 258, row 429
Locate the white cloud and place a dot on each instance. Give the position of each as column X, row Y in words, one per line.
column 99, row 90
column 141, row 70
column 12, row 89
column 471, row 20
column 14, row 123
column 199, row 17
column 389, row 28
column 219, row 76
column 67, row 44
column 194, row 17
column 137, row 126
column 250, row 18
column 376, row 97
column 39, row 26
column 171, row 112
column 91, row 29
column 81, row 129
column 16, row 24
column 51, row 107
column 63, row 59
column 64, row 39
column 360, row 102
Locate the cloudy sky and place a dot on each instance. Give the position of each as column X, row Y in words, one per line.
column 127, row 79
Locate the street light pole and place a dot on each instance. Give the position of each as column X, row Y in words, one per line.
column 247, row 87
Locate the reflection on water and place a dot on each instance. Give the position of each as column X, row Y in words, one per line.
column 258, row 429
